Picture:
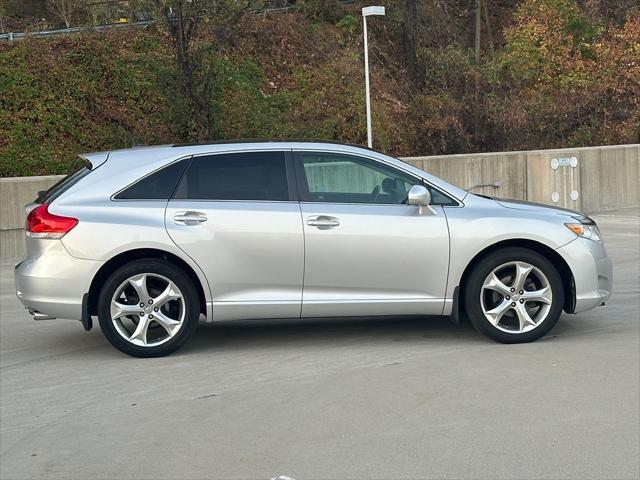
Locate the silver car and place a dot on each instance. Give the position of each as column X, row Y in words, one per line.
column 151, row 239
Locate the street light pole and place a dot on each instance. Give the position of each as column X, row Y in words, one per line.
column 367, row 11
column 366, row 84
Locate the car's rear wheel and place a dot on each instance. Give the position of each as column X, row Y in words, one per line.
column 148, row 308
column 514, row 295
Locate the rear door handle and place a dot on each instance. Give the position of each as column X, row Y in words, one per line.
column 189, row 218
column 323, row 221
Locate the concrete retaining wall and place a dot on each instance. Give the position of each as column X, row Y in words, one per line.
column 600, row 178
column 15, row 193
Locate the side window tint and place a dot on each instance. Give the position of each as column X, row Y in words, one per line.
column 157, row 186
column 339, row 178
column 236, row 176
column 63, row 185
column 439, row 198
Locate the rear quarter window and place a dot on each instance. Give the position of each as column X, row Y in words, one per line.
column 158, row 185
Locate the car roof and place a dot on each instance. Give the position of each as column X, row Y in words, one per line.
column 198, row 148
column 279, row 141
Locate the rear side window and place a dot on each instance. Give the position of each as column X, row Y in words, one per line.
column 63, row 185
column 159, row 185
column 236, row 176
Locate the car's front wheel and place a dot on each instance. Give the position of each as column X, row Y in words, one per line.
column 148, row 308
column 514, row 295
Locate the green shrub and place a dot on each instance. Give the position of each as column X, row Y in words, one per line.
column 79, row 93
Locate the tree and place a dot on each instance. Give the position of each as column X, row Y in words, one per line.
column 427, row 27
column 478, row 30
column 183, row 20
column 65, row 9
column 615, row 10
column 3, row 17
column 410, row 38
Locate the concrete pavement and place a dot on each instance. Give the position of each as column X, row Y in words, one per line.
column 383, row 398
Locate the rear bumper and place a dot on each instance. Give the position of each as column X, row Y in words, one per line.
column 52, row 283
column 592, row 272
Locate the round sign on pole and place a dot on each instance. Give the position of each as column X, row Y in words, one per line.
column 555, row 197
column 573, row 161
column 554, row 163
column 574, row 195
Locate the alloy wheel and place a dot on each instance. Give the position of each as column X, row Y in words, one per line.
column 516, row 297
column 148, row 309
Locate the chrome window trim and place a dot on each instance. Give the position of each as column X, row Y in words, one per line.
column 289, row 176
column 354, row 204
column 280, row 147
column 229, row 201
column 285, row 151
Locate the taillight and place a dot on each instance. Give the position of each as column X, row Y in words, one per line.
column 42, row 224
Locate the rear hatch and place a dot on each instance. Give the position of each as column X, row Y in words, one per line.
column 42, row 225
column 91, row 162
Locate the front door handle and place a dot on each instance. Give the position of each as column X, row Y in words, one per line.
column 323, row 221
column 189, row 218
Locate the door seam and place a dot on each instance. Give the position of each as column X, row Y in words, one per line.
column 304, row 258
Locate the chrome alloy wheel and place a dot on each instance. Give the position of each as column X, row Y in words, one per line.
column 148, row 309
column 516, row 297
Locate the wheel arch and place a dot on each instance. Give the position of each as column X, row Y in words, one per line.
column 550, row 254
column 125, row 257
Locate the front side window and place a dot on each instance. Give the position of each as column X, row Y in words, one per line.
column 337, row 178
column 236, row 176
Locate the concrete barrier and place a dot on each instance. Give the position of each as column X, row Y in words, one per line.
column 15, row 193
column 590, row 179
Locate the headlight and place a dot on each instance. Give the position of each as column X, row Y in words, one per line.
column 585, row 231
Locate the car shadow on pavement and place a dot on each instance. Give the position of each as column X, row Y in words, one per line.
column 239, row 335
column 335, row 331
column 304, row 333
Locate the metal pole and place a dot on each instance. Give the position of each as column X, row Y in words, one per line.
column 366, row 82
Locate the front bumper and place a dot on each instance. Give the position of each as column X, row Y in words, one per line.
column 51, row 282
column 592, row 272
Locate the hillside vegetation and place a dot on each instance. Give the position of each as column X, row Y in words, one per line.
column 552, row 75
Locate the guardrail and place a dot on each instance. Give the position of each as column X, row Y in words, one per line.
column 12, row 36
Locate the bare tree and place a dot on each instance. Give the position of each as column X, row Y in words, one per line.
column 65, row 9
column 410, row 37
column 478, row 30
column 429, row 26
column 183, row 20
column 105, row 11
column 477, row 46
column 3, row 16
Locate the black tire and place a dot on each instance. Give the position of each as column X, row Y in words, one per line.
column 158, row 267
column 472, row 291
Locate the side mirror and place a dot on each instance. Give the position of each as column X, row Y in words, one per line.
column 419, row 195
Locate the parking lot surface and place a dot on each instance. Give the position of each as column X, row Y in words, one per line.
column 377, row 398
